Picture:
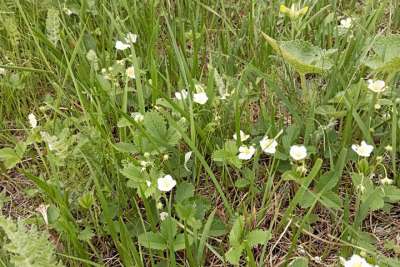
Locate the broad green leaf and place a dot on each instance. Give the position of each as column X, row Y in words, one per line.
column 86, row 234
column 303, row 56
column 392, row 193
column 152, row 241
column 228, row 154
column 233, row 254
column 386, row 54
column 179, row 242
column 242, row 183
column 235, row 236
column 9, row 157
column 184, row 191
column 168, row 228
column 258, row 237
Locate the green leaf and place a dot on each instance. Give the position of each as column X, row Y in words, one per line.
column 86, row 234
column 235, row 236
column 303, row 56
column 168, row 228
column 392, row 193
column 152, row 241
column 258, row 237
column 184, row 191
column 179, row 242
column 386, row 54
column 9, row 157
column 242, row 183
column 228, row 154
column 233, row 254
column 299, row 262
column 125, row 147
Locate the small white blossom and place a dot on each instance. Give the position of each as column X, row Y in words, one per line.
column 42, row 209
column 355, row 261
column 268, row 145
column 2, row 71
column 298, row 152
column 131, row 38
column 200, row 98
column 346, row 23
column 137, row 117
column 182, row 95
column 166, row 183
column 32, row 120
column 165, row 157
column 121, row 46
column 148, row 183
column 376, row 86
column 386, row 180
column 130, row 72
column 159, row 205
column 246, row 152
column 363, row 150
column 243, row 136
column 163, row 215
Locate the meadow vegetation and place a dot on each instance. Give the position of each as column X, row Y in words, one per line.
column 199, row 133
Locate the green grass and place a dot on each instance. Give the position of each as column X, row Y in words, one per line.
column 298, row 79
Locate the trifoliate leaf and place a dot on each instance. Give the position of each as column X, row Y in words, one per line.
column 303, row 56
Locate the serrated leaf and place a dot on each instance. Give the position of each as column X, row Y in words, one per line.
column 258, row 237
column 386, row 57
column 184, row 191
column 233, row 254
column 228, row 154
column 303, row 56
column 9, row 157
column 152, row 241
column 235, row 236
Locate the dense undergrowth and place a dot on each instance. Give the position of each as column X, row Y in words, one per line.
column 199, row 133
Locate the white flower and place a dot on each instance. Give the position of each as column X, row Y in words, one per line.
column 298, row 152
column 182, row 95
column 121, row 46
column 346, row 23
column 163, row 215
column 130, row 72
column 2, row 71
column 200, row 98
column 166, row 183
column 243, row 136
column 268, row 145
column 355, row 261
column 32, row 120
column 363, row 150
column 42, row 209
column 148, row 183
column 131, row 38
column 376, row 86
column 246, row 152
column 137, row 117
column 386, row 180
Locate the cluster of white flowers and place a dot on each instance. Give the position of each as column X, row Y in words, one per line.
column 129, row 40
column 346, row 23
column 356, row 261
column 199, row 97
column 268, row 146
column 137, row 117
